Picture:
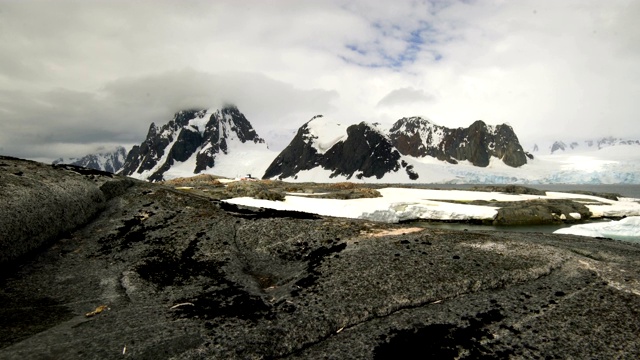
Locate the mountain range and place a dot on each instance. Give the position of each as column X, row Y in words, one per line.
column 585, row 145
column 110, row 161
column 364, row 150
column 223, row 142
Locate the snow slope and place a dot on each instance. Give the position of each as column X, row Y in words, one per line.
column 324, row 133
column 241, row 159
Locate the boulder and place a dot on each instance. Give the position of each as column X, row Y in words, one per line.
column 541, row 212
column 41, row 202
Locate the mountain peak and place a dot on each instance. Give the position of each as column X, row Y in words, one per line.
column 359, row 150
column 193, row 139
column 322, row 133
column 411, row 124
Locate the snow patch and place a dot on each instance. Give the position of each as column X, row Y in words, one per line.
column 625, row 229
column 324, row 133
column 199, row 123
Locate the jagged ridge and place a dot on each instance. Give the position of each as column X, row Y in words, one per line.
column 590, row 144
column 201, row 132
column 365, row 151
column 419, row 137
column 111, row 161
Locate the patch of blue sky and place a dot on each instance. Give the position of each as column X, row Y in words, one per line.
column 416, row 41
column 356, row 49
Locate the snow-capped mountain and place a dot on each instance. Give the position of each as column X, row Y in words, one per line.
column 196, row 141
column 359, row 150
column 419, row 137
column 365, row 151
column 111, row 161
column 563, row 146
column 223, row 142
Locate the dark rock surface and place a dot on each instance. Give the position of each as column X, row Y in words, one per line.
column 420, row 137
column 160, row 273
column 41, row 202
column 541, row 212
column 366, row 153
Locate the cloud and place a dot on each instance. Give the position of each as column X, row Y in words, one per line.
column 72, row 123
column 176, row 90
column 76, row 75
column 405, row 96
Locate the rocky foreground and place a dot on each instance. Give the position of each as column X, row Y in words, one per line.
column 100, row 266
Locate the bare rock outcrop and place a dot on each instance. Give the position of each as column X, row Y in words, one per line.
column 159, row 273
column 42, row 202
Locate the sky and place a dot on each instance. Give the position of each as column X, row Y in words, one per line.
column 77, row 77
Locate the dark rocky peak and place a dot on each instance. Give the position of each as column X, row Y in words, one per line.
column 411, row 125
column 360, row 150
column 299, row 155
column 504, row 145
column 558, row 145
column 153, row 130
column 417, row 136
column 366, row 152
column 477, row 125
column 420, row 137
column 183, row 117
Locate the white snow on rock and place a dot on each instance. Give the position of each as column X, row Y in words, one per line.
column 200, row 121
column 325, row 133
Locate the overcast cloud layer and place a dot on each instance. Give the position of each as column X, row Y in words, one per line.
column 78, row 76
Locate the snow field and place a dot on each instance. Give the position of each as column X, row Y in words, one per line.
column 399, row 204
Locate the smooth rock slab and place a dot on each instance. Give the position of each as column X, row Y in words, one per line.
column 40, row 202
